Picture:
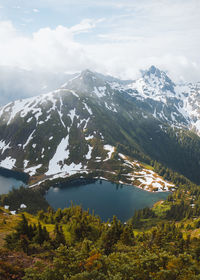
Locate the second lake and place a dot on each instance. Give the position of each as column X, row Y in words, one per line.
column 6, row 184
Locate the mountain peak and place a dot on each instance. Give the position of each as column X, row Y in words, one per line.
column 154, row 76
column 87, row 72
column 88, row 83
column 152, row 71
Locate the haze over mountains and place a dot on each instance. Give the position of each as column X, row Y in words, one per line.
column 16, row 83
column 93, row 120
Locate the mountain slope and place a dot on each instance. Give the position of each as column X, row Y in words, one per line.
column 85, row 124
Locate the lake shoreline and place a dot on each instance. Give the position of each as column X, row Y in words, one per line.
column 46, row 183
column 117, row 199
column 104, row 187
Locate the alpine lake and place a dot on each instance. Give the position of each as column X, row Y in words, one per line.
column 104, row 198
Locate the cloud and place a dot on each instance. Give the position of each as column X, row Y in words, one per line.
column 50, row 49
column 16, row 83
column 30, row 65
column 35, row 10
column 85, row 25
column 124, row 56
column 121, row 38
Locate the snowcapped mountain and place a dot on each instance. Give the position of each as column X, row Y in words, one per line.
column 177, row 105
column 92, row 118
column 190, row 104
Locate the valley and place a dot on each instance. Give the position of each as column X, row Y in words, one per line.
column 125, row 148
column 99, row 140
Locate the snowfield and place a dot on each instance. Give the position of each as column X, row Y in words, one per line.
column 8, row 163
column 144, row 178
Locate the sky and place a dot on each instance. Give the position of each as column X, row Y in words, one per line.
column 116, row 37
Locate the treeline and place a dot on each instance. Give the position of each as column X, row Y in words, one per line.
column 183, row 203
column 170, row 175
column 177, row 212
column 132, row 152
column 72, row 244
column 178, row 149
column 31, row 198
column 188, row 153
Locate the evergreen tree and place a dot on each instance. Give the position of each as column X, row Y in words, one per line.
column 127, row 236
column 59, row 236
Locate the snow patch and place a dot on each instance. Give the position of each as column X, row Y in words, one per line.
column 88, row 109
column 100, row 91
column 60, row 113
column 72, row 114
column 26, row 162
column 89, row 137
column 4, row 146
column 29, row 139
column 8, row 163
column 23, row 206
column 72, row 168
column 29, row 119
column 55, row 164
column 110, row 150
column 74, row 93
column 89, row 154
column 32, row 170
column 113, row 109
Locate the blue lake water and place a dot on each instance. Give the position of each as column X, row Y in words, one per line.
column 6, row 184
column 106, row 199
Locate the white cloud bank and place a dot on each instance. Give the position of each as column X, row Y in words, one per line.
column 48, row 49
column 140, row 33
